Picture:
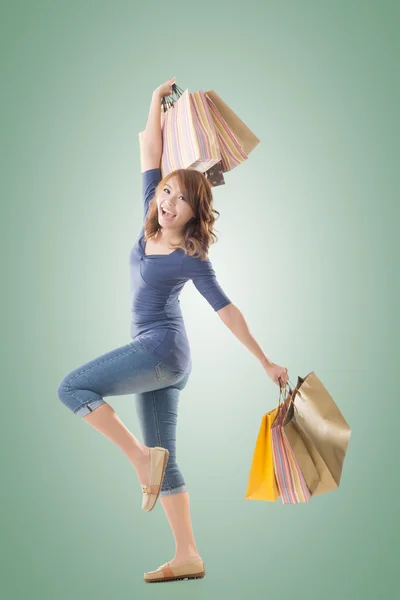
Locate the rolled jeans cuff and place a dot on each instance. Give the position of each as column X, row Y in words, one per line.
column 176, row 490
column 89, row 407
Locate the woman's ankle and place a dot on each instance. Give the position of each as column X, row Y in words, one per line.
column 141, row 461
column 187, row 554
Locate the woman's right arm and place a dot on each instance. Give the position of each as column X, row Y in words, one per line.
column 150, row 157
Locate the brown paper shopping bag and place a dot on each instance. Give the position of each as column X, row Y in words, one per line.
column 243, row 134
column 318, row 430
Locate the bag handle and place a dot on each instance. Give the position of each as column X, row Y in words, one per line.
column 293, row 390
column 177, row 90
column 168, row 102
column 282, row 391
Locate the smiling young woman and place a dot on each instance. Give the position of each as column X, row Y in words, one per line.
column 172, row 248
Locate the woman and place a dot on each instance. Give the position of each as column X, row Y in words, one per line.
column 155, row 365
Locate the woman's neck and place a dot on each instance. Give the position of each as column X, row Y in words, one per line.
column 168, row 239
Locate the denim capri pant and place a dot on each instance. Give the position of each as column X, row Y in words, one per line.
column 134, row 369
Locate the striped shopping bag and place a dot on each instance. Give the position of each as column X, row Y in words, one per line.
column 291, row 483
column 232, row 153
column 300, row 446
column 189, row 137
column 246, row 138
column 205, row 131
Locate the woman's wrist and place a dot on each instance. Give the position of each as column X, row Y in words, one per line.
column 266, row 362
column 157, row 94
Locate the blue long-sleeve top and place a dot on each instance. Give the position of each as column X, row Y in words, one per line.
column 156, row 283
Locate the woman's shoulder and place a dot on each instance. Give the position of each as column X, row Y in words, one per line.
column 151, row 177
column 193, row 264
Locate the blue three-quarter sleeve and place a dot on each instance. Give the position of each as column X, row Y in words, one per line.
column 202, row 274
column 150, row 180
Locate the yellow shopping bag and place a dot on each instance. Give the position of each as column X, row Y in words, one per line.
column 262, row 484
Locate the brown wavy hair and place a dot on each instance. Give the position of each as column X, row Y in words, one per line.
column 199, row 230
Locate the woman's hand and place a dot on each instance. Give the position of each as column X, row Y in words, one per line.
column 166, row 88
column 278, row 374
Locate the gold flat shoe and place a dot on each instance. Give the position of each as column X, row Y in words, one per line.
column 158, row 463
column 192, row 570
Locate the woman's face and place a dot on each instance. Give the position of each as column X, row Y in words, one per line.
column 172, row 199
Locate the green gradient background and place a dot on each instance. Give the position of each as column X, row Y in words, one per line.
column 307, row 246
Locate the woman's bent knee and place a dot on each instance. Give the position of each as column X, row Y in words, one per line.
column 75, row 393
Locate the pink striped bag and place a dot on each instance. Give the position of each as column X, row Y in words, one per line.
column 291, row 483
column 189, row 137
column 232, row 153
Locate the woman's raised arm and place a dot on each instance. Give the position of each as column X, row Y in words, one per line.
column 150, row 157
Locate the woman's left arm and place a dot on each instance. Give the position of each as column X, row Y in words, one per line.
column 203, row 276
column 150, row 157
column 235, row 321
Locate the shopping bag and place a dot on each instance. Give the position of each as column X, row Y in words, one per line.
column 324, row 432
column 300, row 447
column 215, row 175
column 206, row 133
column 189, row 137
column 232, row 153
column 291, row 483
column 262, row 484
column 245, row 137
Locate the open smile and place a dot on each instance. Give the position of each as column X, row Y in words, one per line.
column 167, row 215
